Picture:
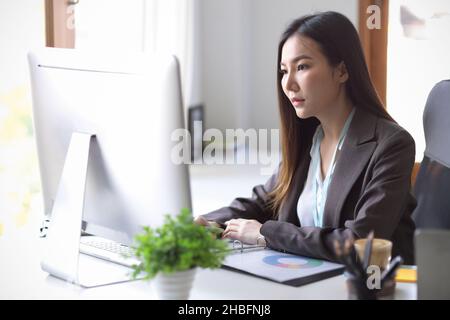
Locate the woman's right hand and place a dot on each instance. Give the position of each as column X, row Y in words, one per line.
column 213, row 226
column 200, row 220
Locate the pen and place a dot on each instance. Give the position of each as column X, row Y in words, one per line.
column 342, row 257
column 350, row 261
column 393, row 266
column 368, row 250
column 353, row 257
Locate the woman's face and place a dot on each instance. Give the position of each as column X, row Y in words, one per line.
column 308, row 80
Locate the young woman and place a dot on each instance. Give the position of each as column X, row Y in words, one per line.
column 346, row 164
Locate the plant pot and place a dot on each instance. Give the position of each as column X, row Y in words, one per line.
column 174, row 286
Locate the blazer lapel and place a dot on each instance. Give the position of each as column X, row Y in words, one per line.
column 356, row 151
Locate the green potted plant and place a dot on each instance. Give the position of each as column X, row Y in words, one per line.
column 172, row 252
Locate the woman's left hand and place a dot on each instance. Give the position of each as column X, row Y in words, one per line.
column 246, row 231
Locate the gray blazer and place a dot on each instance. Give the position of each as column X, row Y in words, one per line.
column 370, row 190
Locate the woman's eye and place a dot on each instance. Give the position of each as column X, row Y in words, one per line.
column 282, row 71
column 302, row 67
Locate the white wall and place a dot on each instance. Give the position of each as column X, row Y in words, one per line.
column 240, row 39
column 224, row 40
column 22, row 27
column 405, row 70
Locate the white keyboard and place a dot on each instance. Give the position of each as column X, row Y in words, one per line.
column 108, row 250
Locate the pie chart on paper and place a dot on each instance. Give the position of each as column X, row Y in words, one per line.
column 290, row 262
column 282, row 267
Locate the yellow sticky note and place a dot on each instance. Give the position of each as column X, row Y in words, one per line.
column 406, row 274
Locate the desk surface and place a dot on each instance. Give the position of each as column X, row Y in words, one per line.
column 21, row 276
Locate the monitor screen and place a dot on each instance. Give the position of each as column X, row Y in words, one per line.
column 132, row 103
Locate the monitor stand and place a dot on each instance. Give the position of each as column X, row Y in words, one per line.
column 62, row 257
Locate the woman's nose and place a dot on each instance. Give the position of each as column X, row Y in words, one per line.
column 291, row 83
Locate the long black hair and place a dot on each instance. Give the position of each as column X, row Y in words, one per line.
column 339, row 42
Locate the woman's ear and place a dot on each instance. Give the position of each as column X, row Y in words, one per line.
column 342, row 72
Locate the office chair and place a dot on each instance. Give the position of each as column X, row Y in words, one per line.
column 432, row 186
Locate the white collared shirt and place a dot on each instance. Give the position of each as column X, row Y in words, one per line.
column 312, row 200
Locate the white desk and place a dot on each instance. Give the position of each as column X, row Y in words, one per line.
column 22, row 278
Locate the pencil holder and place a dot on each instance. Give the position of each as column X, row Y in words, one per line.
column 357, row 289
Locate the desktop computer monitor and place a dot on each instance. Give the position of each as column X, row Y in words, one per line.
column 131, row 104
